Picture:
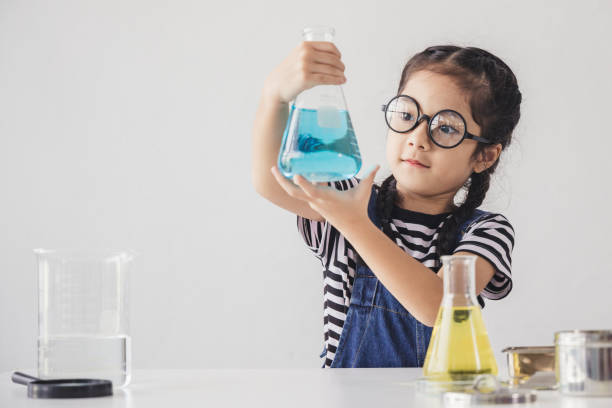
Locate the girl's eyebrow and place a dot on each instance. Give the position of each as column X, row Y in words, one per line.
column 433, row 113
column 423, row 111
column 466, row 117
column 421, row 106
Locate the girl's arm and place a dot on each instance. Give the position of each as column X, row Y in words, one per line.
column 311, row 63
column 413, row 284
column 267, row 136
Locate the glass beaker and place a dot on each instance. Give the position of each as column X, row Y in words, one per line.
column 459, row 349
column 83, row 317
column 319, row 141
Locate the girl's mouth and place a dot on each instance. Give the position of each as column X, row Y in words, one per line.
column 414, row 163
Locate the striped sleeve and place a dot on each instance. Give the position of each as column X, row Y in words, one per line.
column 316, row 234
column 493, row 239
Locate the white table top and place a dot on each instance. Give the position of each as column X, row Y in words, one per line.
column 287, row 388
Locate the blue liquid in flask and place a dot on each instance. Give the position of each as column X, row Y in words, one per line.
column 319, row 145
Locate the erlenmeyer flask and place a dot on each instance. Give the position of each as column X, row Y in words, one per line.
column 319, row 142
column 459, row 349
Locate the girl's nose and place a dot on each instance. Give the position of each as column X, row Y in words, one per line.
column 418, row 137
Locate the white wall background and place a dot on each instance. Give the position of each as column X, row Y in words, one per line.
column 128, row 124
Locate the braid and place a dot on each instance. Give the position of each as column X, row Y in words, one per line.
column 386, row 197
column 478, row 185
column 385, row 201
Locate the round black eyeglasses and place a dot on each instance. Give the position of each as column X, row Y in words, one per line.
column 446, row 129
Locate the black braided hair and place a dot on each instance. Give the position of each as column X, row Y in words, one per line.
column 495, row 101
column 385, row 199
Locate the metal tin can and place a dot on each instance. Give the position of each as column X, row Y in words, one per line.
column 583, row 362
column 523, row 362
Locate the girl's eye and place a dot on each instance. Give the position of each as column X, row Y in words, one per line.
column 449, row 130
column 407, row 116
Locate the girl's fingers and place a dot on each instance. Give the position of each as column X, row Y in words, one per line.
column 328, row 59
column 293, row 191
column 368, row 179
column 325, row 46
column 373, row 172
column 317, row 68
column 327, row 79
column 306, row 186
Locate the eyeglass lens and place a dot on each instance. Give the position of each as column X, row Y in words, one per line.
column 447, row 127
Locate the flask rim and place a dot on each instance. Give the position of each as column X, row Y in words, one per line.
column 103, row 254
column 464, row 258
column 321, row 30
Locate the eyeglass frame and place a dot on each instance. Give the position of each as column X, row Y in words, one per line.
column 421, row 116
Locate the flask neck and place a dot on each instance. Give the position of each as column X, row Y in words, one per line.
column 459, row 280
column 318, row 33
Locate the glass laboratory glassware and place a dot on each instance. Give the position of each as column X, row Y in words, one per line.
column 319, row 141
column 459, row 349
column 83, row 316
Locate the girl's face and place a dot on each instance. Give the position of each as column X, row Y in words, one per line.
column 446, row 169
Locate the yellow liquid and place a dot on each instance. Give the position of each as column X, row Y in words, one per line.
column 459, row 348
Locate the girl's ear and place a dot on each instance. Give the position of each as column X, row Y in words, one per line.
column 487, row 157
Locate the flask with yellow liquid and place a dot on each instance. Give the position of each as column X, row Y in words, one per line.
column 459, row 349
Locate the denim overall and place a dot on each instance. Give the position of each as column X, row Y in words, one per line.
column 378, row 330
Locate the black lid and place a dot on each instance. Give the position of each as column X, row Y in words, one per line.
column 64, row 388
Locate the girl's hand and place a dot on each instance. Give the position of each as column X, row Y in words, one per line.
column 341, row 208
column 310, row 63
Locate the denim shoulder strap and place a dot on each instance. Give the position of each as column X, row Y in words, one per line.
column 474, row 218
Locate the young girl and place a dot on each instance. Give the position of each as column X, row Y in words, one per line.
column 380, row 246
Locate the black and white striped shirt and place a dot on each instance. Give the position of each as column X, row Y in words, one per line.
column 492, row 237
